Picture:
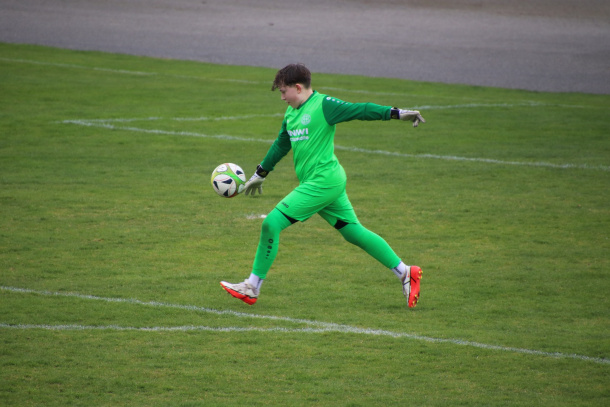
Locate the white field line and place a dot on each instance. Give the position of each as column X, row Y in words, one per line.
column 73, row 66
column 314, row 326
column 106, row 123
column 89, row 123
column 271, row 115
column 124, row 71
column 177, row 119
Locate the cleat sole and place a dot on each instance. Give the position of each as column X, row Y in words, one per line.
column 239, row 296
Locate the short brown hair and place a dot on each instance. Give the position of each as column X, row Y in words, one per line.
column 292, row 74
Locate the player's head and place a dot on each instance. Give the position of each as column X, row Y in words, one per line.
column 292, row 74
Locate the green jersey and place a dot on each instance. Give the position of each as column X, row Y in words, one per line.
column 310, row 132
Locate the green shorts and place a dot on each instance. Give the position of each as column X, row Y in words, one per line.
column 308, row 199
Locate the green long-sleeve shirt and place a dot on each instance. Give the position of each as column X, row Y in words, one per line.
column 310, row 132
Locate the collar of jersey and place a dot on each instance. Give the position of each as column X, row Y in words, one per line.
column 308, row 99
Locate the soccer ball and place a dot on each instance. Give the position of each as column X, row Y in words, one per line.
column 228, row 180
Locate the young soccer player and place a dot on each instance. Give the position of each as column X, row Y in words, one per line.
column 309, row 130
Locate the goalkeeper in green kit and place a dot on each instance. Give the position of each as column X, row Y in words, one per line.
column 309, row 130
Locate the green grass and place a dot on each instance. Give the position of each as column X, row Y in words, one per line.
column 110, row 226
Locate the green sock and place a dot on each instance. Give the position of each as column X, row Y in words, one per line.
column 371, row 243
column 269, row 242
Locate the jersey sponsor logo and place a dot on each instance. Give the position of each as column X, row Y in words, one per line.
column 299, row 134
column 302, row 138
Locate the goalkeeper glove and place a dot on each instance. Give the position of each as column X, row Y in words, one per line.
column 407, row 115
column 256, row 181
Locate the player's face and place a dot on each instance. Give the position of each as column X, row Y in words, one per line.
column 291, row 95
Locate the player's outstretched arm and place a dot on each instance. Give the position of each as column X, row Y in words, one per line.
column 407, row 115
column 255, row 183
column 337, row 111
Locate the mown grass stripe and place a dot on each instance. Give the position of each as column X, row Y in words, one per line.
column 325, row 88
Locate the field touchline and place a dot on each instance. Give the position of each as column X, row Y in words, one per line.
column 106, row 123
column 318, row 326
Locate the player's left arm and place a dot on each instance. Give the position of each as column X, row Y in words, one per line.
column 337, row 111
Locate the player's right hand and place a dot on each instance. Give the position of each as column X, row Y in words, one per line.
column 254, row 183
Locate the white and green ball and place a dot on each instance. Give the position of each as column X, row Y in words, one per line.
column 228, row 180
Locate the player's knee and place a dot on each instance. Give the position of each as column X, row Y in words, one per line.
column 275, row 222
column 267, row 226
column 271, row 225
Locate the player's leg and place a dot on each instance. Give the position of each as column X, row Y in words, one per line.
column 370, row 242
column 379, row 249
column 340, row 214
column 304, row 201
column 268, row 243
column 266, row 252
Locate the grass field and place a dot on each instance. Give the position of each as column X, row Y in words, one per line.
column 112, row 243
